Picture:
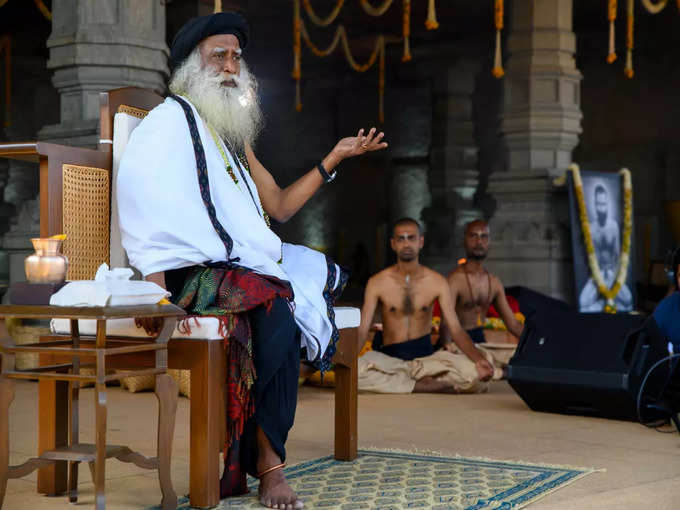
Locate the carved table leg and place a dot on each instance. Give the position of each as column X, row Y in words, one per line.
column 166, row 392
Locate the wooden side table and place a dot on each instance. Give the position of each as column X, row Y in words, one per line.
column 99, row 349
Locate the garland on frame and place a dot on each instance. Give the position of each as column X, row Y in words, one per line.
column 608, row 293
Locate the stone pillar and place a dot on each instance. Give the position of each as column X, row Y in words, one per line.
column 453, row 160
column 100, row 45
column 540, row 125
column 17, row 242
column 410, row 189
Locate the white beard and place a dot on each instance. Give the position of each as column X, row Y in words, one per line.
column 233, row 112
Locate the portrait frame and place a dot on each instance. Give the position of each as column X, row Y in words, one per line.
column 613, row 196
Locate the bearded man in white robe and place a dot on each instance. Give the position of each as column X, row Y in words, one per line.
column 194, row 205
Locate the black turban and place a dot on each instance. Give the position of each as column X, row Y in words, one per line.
column 197, row 29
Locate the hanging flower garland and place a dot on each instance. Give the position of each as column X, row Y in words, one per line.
column 300, row 32
column 654, row 8
column 377, row 11
column 323, row 22
column 6, row 46
column 611, row 14
column 218, row 6
column 341, row 37
column 608, row 293
column 40, row 5
column 497, row 70
column 651, row 6
column 406, row 31
column 297, row 53
column 431, row 22
column 630, row 24
column 43, row 9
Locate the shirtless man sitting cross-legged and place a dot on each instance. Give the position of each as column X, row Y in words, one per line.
column 406, row 293
column 474, row 289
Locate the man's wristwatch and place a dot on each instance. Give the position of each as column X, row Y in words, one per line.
column 324, row 174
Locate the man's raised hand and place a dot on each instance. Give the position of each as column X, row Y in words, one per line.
column 360, row 144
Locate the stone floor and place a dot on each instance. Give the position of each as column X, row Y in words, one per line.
column 642, row 465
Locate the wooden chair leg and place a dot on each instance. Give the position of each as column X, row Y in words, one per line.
column 167, row 394
column 346, row 387
column 100, row 444
column 6, row 398
column 207, row 387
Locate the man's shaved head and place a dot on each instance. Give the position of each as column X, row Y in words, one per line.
column 407, row 239
column 406, row 221
column 476, row 223
column 476, row 240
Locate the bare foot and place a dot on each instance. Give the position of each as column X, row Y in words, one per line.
column 275, row 492
column 432, row 385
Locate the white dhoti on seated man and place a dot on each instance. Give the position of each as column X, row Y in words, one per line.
column 194, row 204
column 403, row 358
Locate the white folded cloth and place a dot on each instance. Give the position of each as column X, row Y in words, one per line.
column 111, row 287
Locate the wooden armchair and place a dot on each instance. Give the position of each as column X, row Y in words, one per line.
column 200, row 351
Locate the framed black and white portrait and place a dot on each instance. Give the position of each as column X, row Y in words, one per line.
column 603, row 196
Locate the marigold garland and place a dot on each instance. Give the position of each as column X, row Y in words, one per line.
column 611, row 14
column 497, row 70
column 654, row 8
column 323, row 22
column 406, row 30
column 300, row 32
column 377, row 11
column 608, row 293
column 630, row 24
column 431, row 22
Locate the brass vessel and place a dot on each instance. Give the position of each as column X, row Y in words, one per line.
column 47, row 264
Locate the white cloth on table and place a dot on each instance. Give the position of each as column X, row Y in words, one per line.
column 109, row 287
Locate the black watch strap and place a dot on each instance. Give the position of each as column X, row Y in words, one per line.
column 324, row 174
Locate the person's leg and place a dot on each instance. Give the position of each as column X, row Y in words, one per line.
column 276, row 353
column 431, row 385
column 499, row 336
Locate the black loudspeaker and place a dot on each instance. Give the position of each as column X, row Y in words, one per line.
column 588, row 364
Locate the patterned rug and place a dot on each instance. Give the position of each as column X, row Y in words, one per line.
column 388, row 480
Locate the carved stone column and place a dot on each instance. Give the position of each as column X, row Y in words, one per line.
column 100, row 45
column 541, row 122
column 453, row 159
column 410, row 188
